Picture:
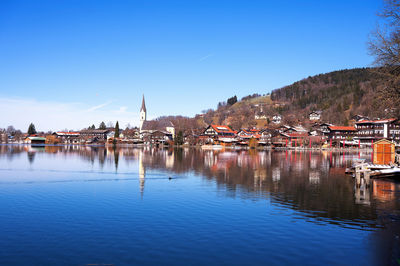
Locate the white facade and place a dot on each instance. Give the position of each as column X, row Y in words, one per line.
column 315, row 115
column 276, row 119
column 143, row 117
column 143, row 114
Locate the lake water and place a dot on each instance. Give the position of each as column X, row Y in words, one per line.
column 139, row 206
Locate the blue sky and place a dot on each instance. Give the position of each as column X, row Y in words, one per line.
column 68, row 64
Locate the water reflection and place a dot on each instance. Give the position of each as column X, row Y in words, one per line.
column 311, row 183
column 142, row 173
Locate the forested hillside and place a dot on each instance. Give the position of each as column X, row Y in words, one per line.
column 339, row 95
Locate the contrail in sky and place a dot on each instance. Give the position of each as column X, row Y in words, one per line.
column 205, row 57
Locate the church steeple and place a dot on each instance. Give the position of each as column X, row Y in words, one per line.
column 143, row 114
column 143, row 105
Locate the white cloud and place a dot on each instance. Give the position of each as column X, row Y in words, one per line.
column 91, row 109
column 58, row 116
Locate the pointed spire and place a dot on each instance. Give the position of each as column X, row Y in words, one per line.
column 143, row 105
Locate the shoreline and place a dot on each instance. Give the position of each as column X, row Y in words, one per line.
column 203, row 147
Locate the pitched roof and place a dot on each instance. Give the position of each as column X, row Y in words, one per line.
column 143, row 105
column 384, row 140
column 37, row 138
column 156, row 125
column 318, row 112
column 63, row 133
column 382, row 121
column 95, row 131
column 221, row 128
column 340, row 128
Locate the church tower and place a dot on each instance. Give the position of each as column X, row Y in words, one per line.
column 143, row 114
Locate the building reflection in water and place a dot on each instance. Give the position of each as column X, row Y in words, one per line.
column 385, row 190
column 276, row 174
column 314, row 177
column 362, row 193
column 142, row 172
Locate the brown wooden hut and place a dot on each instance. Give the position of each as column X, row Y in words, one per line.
column 384, row 152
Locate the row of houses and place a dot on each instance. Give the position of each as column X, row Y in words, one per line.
column 313, row 116
column 364, row 132
column 94, row 136
column 277, row 118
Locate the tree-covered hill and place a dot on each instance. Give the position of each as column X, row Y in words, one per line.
column 339, row 95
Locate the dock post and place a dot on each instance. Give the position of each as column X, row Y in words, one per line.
column 358, row 178
column 367, row 175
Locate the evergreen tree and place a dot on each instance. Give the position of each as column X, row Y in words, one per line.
column 179, row 138
column 102, row 125
column 232, row 100
column 116, row 134
column 31, row 129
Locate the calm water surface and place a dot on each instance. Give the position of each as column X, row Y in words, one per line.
column 96, row 205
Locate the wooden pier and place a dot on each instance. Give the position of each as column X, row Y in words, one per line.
column 385, row 163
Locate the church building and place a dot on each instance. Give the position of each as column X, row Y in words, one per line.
column 150, row 127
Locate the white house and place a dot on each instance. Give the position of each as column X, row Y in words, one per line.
column 277, row 119
column 315, row 115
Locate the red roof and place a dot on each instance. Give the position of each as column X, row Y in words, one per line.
column 298, row 134
column 376, row 121
column 70, row 133
column 340, row 128
column 220, row 129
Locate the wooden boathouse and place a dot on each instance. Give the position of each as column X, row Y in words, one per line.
column 384, row 152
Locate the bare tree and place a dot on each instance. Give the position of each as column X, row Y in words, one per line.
column 11, row 130
column 384, row 44
column 110, row 124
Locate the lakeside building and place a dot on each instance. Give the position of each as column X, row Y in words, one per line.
column 324, row 128
column 341, row 132
column 95, row 134
column 68, row 137
column 294, row 138
column 35, row 140
column 245, row 134
column 374, row 130
column 219, row 133
column 266, row 136
column 157, row 137
column 295, row 129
